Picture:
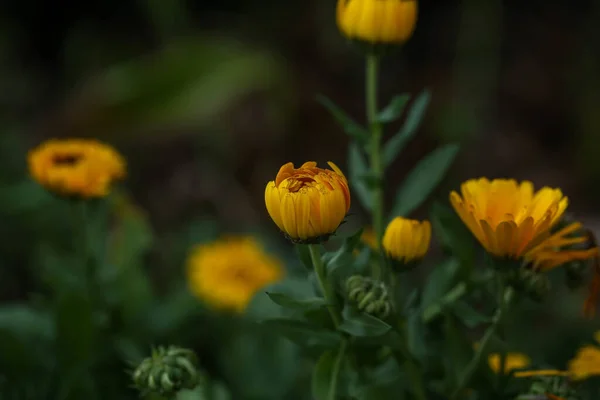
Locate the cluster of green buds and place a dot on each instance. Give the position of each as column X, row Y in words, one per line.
column 533, row 284
column 549, row 388
column 167, row 371
column 369, row 296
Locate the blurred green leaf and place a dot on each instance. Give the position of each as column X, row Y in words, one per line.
column 452, row 233
column 186, row 83
column 284, row 300
column 394, row 110
column 303, row 333
column 360, row 324
column 423, row 178
column 24, row 196
column 76, row 329
column 25, row 337
column 357, row 168
column 322, row 376
column 260, row 365
column 468, row 315
column 417, row 335
column 352, row 129
column 459, row 350
column 442, row 278
column 413, row 120
column 447, row 300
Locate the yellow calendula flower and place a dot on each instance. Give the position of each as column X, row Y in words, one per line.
column 226, row 274
column 76, row 167
column 377, row 21
column 512, row 361
column 513, row 221
column 587, row 361
column 308, row 203
column 406, row 240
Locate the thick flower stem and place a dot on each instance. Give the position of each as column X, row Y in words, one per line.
column 324, row 284
column 372, row 66
column 506, row 299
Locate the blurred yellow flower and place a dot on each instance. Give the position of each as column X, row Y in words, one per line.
column 369, row 238
column 226, row 274
column 377, row 21
column 406, row 240
column 76, row 167
column 512, row 221
column 309, row 203
column 512, row 361
column 587, row 361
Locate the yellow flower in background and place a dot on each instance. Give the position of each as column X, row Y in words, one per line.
column 308, row 203
column 369, row 238
column 377, row 21
column 510, row 220
column 226, row 274
column 76, row 167
column 587, row 361
column 512, row 361
column 406, row 240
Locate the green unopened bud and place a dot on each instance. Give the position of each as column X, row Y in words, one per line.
column 167, row 371
column 369, row 296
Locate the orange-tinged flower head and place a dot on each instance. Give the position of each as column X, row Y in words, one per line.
column 511, row 220
column 226, row 274
column 377, row 21
column 308, row 203
column 406, row 240
column 76, row 167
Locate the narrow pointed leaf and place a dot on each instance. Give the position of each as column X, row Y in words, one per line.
column 357, row 169
column 352, row 129
column 394, row 110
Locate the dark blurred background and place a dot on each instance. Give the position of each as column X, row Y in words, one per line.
column 208, row 99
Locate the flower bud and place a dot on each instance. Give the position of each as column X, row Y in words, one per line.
column 369, row 296
column 377, row 22
column 406, row 242
column 308, row 204
column 167, row 371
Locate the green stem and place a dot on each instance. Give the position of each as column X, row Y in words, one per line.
column 335, row 373
column 372, row 66
column 324, row 284
column 507, row 294
column 405, row 359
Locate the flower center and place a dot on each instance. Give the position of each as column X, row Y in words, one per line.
column 67, row 159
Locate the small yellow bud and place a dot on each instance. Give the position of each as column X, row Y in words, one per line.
column 406, row 240
column 377, row 21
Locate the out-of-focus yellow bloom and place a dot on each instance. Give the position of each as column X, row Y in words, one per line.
column 227, row 273
column 377, row 21
column 587, row 361
column 406, row 240
column 76, row 167
column 369, row 238
column 308, row 203
column 512, row 361
column 512, row 221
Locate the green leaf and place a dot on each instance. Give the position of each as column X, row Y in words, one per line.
column 397, row 143
column 76, row 330
column 360, row 324
column 303, row 254
column 287, row 301
column 440, row 281
column 468, row 315
column 394, row 110
column 417, row 335
column 449, row 298
column 357, row 169
column 340, row 265
column 322, row 376
column 352, row 129
column 303, row 333
column 452, row 233
column 423, row 178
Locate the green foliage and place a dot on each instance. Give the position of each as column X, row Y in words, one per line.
column 352, row 129
column 423, row 179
